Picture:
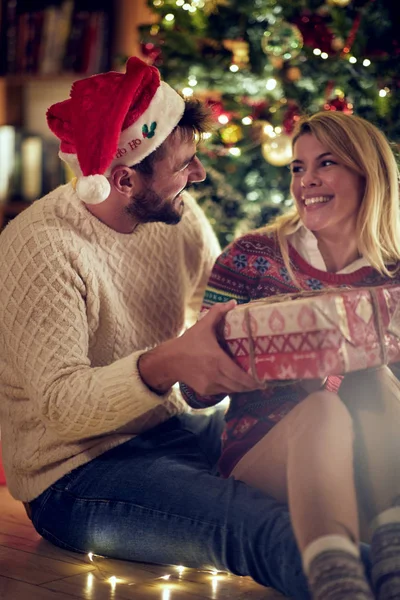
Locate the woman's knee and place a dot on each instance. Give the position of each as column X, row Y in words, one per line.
column 322, row 409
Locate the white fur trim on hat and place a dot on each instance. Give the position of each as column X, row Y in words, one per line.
column 93, row 189
column 146, row 134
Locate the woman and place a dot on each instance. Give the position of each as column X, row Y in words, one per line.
column 295, row 442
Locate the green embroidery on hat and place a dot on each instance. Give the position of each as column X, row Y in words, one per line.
column 146, row 133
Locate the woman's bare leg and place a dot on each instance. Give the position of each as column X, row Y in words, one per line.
column 307, row 461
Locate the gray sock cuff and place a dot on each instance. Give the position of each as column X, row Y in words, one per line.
column 326, row 543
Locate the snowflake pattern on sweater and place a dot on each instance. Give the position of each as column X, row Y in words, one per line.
column 251, row 268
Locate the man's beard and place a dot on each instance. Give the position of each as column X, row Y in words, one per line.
column 149, row 207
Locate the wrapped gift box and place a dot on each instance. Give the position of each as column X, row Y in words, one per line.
column 312, row 336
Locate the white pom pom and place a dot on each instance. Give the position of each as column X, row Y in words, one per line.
column 93, row 189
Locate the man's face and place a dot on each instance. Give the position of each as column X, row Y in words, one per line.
column 157, row 197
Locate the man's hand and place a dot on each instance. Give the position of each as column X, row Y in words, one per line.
column 196, row 359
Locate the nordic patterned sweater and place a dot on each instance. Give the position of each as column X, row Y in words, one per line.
column 251, row 268
column 79, row 303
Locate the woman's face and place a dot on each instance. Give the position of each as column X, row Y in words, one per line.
column 327, row 193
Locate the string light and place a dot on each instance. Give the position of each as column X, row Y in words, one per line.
column 187, row 91
column 247, row 120
column 317, row 51
column 324, row 55
column 271, row 84
column 223, row 119
column 234, row 68
column 352, row 60
column 235, row 151
column 366, row 62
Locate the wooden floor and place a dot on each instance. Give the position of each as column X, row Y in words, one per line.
column 33, row 569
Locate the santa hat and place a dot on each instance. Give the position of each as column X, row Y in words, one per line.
column 113, row 119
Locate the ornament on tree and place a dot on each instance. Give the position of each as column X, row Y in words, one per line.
column 340, row 3
column 277, row 150
column 339, row 103
column 282, row 40
column 151, row 53
column 212, row 6
column 240, row 52
column 231, row 134
column 260, row 131
column 292, row 115
column 337, row 44
column 293, row 74
column 315, row 32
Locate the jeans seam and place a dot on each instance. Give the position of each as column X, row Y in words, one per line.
column 140, row 507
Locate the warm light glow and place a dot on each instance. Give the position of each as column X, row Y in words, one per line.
column 7, row 145
column 180, row 569
column 278, row 130
column 223, row 119
column 234, row 68
column 271, row 84
column 169, row 17
column 352, row 59
column 268, row 129
column 89, row 584
column 180, row 2
column 186, row 6
column 382, row 93
column 324, row 55
column 235, row 151
column 247, row 120
column 166, row 594
column 192, row 80
column 317, row 51
column 90, row 555
column 113, row 582
column 366, row 62
column 166, row 577
column 157, row 2
column 187, row 91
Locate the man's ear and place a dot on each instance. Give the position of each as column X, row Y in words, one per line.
column 123, row 179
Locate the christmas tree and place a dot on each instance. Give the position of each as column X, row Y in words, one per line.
column 261, row 64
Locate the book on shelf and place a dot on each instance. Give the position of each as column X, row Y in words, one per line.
column 48, row 37
column 30, row 165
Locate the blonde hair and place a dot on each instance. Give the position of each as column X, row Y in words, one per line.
column 360, row 146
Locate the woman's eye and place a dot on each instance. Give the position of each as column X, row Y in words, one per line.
column 327, row 163
column 296, row 169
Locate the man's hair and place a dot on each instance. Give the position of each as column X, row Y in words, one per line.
column 365, row 150
column 195, row 121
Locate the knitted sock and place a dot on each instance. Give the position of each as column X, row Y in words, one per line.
column 334, row 570
column 385, row 554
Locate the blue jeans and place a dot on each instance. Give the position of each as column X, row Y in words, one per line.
column 158, row 498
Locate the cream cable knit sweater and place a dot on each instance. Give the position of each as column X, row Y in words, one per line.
column 79, row 303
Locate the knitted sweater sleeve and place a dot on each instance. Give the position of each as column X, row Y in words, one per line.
column 201, row 250
column 227, row 281
column 44, row 340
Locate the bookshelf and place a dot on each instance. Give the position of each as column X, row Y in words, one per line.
column 37, row 69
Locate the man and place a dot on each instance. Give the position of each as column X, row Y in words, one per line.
column 95, row 285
